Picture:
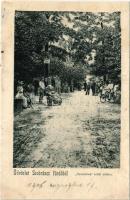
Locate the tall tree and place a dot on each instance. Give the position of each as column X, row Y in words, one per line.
column 78, row 35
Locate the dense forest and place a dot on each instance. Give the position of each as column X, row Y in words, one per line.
column 73, row 42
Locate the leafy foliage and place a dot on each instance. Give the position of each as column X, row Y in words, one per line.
column 67, row 34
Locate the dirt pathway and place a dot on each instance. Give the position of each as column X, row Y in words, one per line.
column 70, row 133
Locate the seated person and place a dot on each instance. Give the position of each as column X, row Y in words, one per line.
column 20, row 94
column 49, row 89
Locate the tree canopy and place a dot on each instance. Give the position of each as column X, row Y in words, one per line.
column 88, row 39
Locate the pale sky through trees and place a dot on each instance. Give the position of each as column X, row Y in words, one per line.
column 86, row 39
column 71, row 24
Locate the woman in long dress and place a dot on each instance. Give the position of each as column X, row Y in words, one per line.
column 90, row 92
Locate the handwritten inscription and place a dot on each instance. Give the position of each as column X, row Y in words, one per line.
column 35, row 185
column 66, row 186
column 73, row 185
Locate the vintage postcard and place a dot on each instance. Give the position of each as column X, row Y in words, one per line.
column 65, row 100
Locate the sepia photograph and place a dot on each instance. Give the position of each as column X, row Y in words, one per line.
column 67, row 89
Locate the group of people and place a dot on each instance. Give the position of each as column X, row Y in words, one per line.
column 112, row 88
column 90, row 87
column 93, row 87
column 44, row 86
column 40, row 88
column 68, row 87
